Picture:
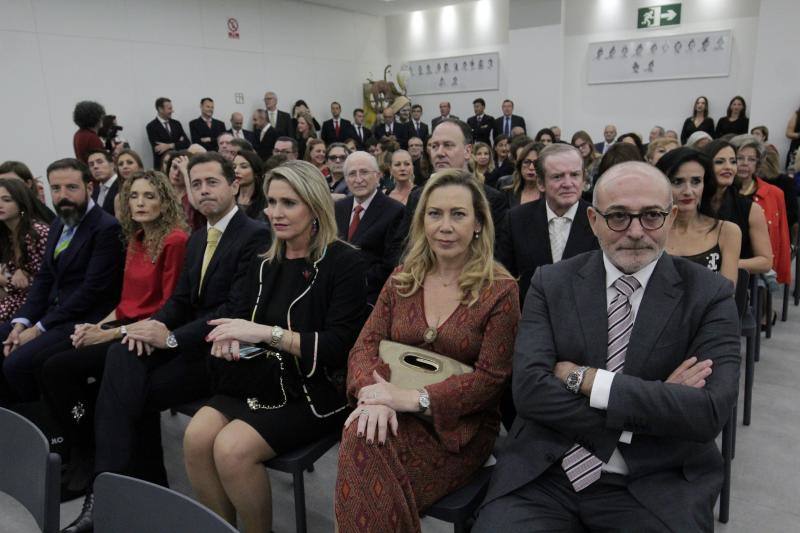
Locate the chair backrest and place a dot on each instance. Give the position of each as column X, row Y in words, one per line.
column 128, row 505
column 742, row 287
column 29, row 473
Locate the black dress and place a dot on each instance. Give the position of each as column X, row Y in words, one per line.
column 736, row 209
column 315, row 305
column 688, row 128
column 795, row 142
column 711, row 258
column 737, row 127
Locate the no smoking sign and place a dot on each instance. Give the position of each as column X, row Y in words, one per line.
column 233, row 28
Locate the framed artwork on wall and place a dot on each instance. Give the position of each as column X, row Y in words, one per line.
column 690, row 55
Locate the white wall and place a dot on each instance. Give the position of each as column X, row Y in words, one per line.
column 638, row 106
column 126, row 53
column 776, row 76
column 468, row 28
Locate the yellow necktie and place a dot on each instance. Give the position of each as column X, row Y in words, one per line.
column 211, row 245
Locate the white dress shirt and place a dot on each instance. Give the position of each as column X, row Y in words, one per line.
column 603, row 379
column 364, row 205
column 222, row 223
column 559, row 228
column 104, row 188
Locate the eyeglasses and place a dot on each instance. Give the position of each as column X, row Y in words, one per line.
column 621, row 221
column 528, row 162
column 339, row 158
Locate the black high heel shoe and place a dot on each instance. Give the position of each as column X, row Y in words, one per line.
column 85, row 521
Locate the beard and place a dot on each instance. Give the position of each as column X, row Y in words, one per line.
column 71, row 213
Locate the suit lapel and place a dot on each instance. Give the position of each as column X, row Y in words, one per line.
column 580, row 232
column 225, row 242
column 370, row 217
column 343, row 216
column 542, row 236
column 590, row 294
column 79, row 239
column 660, row 299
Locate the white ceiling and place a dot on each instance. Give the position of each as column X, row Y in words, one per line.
column 383, row 7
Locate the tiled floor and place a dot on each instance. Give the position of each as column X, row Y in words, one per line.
column 766, row 471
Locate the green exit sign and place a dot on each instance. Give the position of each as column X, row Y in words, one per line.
column 657, row 16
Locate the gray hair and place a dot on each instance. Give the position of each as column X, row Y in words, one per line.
column 555, row 149
column 631, row 167
column 749, row 141
column 360, row 154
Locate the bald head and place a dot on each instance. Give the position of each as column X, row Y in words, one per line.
column 237, row 120
column 652, row 180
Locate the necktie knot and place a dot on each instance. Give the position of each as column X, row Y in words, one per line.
column 358, row 209
column 626, row 285
column 213, row 236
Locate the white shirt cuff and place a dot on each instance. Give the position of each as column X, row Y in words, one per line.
column 40, row 326
column 24, row 321
column 626, row 437
column 601, row 389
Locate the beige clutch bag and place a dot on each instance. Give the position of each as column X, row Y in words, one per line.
column 415, row 368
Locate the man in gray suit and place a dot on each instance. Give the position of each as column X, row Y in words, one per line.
column 625, row 369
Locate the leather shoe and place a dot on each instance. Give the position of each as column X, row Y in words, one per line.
column 85, row 521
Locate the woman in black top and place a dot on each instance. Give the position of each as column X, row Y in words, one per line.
column 793, row 133
column 699, row 121
column 735, row 120
column 696, row 233
column 249, row 170
column 303, row 307
column 756, row 250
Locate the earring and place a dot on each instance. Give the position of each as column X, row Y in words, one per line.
column 476, row 235
column 315, row 226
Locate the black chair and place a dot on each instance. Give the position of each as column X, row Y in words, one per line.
column 459, row 507
column 296, row 463
column 751, row 332
column 29, row 473
column 128, row 505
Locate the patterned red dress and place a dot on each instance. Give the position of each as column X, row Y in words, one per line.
column 384, row 488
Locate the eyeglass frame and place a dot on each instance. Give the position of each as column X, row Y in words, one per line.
column 631, row 216
column 338, row 158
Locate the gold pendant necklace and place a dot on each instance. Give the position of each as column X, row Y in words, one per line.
column 430, row 335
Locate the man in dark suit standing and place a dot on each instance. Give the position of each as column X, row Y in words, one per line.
column 595, row 447
column 238, row 131
column 265, row 135
column 79, row 280
column 336, row 129
column 101, row 166
column 362, row 133
column 609, row 136
column 205, row 129
column 279, row 120
column 368, row 218
column 415, row 127
column 161, row 361
column 391, row 128
column 552, row 228
column 504, row 124
column 165, row 133
column 444, row 114
column 451, row 147
column 481, row 124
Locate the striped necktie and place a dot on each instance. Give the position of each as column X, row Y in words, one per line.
column 583, row 468
column 64, row 240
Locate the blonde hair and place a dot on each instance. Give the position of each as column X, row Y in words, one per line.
column 172, row 216
column 770, row 167
column 309, row 184
column 312, row 133
column 657, row 144
column 473, row 159
column 479, row 271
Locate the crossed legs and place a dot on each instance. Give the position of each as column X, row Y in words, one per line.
column 224, row 461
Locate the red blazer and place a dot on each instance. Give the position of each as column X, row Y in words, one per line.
column 771, row 200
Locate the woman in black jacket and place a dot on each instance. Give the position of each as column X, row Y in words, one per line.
column 301, row 312
column 699, row 121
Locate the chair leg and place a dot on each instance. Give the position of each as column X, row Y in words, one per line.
column 734, row 429
column 785, row 306
column 768, row 312
column 725, row 494
column 749, row 374
column 299, row 502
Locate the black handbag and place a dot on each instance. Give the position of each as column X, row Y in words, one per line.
column 267, row 381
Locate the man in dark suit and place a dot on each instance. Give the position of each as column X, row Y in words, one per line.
column 337, row 129
column 238, row 131
column 451, row 146
column 626, row 368
column 165, row 133
column 101, row 166
column 368, row 218
column 79, row 280
column 504, row 124
column 279, row 120
column 161, row 361
column 205, row 129
column 481, row 124
column 265, row 135
column 552, row 228
column 444, row 114
column 390, row 128
column 362, row 133
column 609, row 136
column 415, row 127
